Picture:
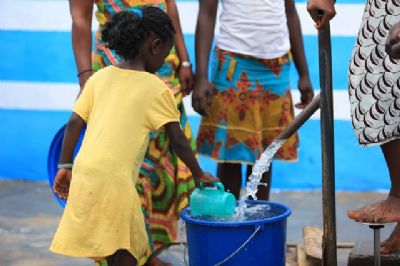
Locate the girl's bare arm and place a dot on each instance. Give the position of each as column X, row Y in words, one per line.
column 186, row 77
column 297, row 49
column 81, row 14
column 201, row 97
column 172, row 12
column 71, row 137
column 182, row 148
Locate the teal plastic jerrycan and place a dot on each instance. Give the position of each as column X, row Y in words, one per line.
column 212, row 201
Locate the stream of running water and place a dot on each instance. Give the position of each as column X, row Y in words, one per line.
column 261, row 166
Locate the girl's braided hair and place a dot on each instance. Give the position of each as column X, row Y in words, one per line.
column 127, row 30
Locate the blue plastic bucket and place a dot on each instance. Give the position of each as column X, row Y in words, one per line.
column 258, row 242
column 54, row 157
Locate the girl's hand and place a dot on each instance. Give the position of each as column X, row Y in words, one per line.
column 62, row 182
column 393, row 42
column 306, row 92
column 206, row 178
column 201, row 96
column 321, row 11
column 186, row 79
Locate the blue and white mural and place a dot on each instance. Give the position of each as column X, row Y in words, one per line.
column 38, row 86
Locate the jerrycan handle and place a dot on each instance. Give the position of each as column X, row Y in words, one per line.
column 218, row 185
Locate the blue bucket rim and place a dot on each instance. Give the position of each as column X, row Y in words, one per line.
column 279, row 217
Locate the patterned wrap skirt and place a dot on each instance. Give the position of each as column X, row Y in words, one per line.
column 251, row 105
column 374, row 77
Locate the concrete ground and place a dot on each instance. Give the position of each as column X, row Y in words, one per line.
column 29, row 216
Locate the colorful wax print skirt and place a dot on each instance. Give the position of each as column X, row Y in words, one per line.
column 251, row 105
column 374, row 77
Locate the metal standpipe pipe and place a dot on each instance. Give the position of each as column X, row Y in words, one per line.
column 324, row 101
column 329, row 242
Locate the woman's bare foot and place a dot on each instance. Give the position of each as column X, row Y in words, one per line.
column 154, row 261
column 391, row 244
column 387, row 211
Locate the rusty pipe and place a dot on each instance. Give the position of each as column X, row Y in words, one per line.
column 299, row 120
column 329, row 242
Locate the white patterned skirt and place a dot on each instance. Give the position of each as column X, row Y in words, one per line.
column 374, row 77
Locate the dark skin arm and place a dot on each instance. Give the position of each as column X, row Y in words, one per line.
column 181, row 146
column 185, row 73
column 321, row 11
column 201, row 97
column 297, row 49
column 81, row 14
column 71, row 137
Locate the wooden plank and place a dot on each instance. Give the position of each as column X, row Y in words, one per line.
column 313, row 242
column 301, row 255
column 291, row 257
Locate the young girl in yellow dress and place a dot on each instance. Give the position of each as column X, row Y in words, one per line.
column 164, row 183
column 120, row 105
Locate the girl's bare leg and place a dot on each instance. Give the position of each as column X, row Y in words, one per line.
column 230, row 175
column 121, row 258
column 386, row 211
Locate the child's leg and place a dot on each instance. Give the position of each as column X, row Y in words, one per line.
column 263, row 191
column 230, row 175
column 110, row 260
column 391, row 151
column 388, row 210
column 121, row 258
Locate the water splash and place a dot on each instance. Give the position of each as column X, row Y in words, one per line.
column 252, row 212
column 262, row 165
column 249, row 212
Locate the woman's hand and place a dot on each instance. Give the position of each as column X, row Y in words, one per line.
column 82, row 80
column 62, row 182
column 186, row 79
column 201, row 97
column 206, row 178
column 393, row 42
column 321, row 11
column 306, row 92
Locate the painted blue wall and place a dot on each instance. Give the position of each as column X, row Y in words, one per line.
column 55, row 63
column 26, row 137
column 46, row 56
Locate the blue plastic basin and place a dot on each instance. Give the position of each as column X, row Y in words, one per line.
column 258, row 242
